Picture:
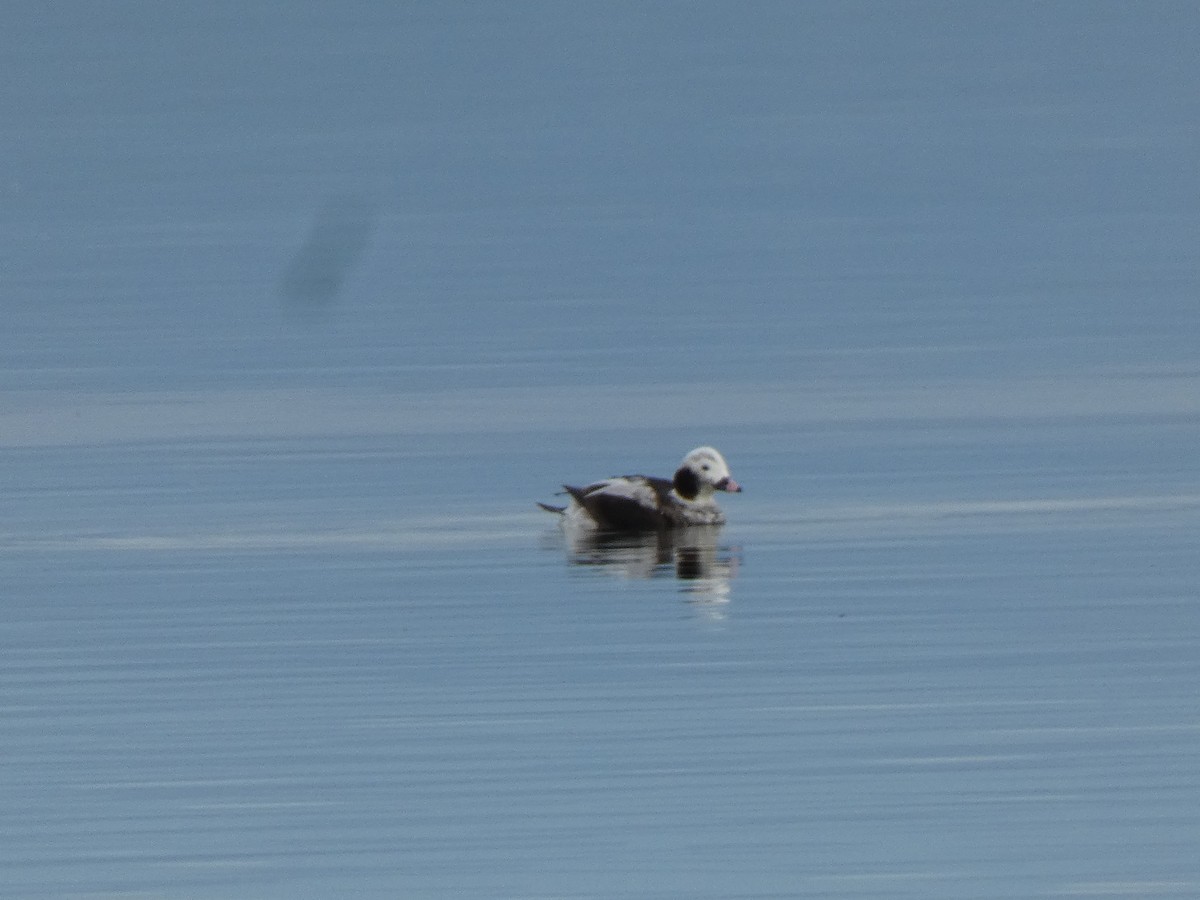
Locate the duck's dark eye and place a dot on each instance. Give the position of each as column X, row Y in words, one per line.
column 705, row 467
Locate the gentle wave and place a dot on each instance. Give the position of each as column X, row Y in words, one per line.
column 39, row 418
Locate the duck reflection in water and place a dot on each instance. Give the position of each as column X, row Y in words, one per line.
column 704, row 568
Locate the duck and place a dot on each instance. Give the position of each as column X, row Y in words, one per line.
column 639, row 503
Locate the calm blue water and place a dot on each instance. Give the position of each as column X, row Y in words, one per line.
column 305, row 307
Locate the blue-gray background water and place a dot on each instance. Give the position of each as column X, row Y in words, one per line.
column 305, row 305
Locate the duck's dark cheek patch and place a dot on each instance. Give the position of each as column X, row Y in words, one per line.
column 687, row 485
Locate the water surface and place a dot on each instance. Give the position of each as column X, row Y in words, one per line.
column 305, row 309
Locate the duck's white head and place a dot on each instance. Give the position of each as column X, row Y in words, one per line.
column 703, row 472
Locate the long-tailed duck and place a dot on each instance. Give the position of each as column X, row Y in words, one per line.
column 644, row 503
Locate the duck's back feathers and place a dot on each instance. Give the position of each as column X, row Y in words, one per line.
column 628, row 503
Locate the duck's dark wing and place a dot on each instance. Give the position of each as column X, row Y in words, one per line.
column 630, row 503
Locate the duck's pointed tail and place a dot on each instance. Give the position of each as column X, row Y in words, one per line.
column 554, row 509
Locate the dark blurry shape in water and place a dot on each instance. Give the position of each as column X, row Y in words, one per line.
column 334, row 244
column 693, row 556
